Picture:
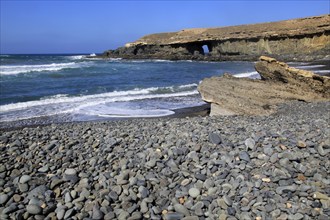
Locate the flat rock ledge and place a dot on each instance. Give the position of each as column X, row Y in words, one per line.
column 279, row 83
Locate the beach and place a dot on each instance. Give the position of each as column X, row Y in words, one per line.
column 220, row 167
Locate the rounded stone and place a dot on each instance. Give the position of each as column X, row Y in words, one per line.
column 194, row 192
column 3, row 198
column 70, row 172
column 185, row 182
column 33, row 209
column 25, row 179
column 214, row 138
column 250, row 143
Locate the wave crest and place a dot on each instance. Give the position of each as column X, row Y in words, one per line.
column 115, row 96
column 17, row 69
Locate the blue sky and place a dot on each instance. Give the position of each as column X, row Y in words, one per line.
column 95, row 26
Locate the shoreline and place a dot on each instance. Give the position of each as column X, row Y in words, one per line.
column 242, row 167
column 195, row 111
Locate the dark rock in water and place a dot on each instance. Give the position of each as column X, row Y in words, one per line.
column 214, row 138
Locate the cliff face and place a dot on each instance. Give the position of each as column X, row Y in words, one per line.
column 298, row 39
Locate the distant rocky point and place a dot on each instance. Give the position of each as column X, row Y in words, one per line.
column 298, row 39
column 279, row 83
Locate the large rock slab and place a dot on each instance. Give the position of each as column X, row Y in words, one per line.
column 229, row 95
column 273, row 70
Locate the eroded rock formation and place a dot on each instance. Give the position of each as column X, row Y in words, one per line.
column 298, row 39
column 279, row 83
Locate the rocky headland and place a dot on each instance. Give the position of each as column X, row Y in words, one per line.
column 279, row 83
column 297, row 39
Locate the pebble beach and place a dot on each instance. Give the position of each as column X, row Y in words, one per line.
column 225, row 167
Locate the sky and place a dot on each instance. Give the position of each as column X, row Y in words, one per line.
column 87, row 26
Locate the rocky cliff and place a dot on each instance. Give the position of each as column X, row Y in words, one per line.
column 298, row 39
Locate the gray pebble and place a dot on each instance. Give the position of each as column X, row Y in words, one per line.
column 181, row 209
column 250, row 143
column 9, row 209
column 60, row 212
column 185, row 182
column 173, row 216
column 33, row 209
column 243, row 155
column 200, row 176
column 194, row 192
column 25, row 179
column 3, row 198
column 282, row 189
column 69, row 213
column 214, row 138
column 97, row 214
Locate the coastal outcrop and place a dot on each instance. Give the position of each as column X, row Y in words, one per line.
column 297, row 39
column 279, row 83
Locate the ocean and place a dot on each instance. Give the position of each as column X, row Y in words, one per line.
column 84, row 89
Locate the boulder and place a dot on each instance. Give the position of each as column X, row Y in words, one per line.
column 273, row 70
column 229, row 95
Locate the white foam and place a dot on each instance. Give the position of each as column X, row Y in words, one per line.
column 297, row 63
column 311, row 66
column 86, row 105
column 129, row 113
column 188, row 85
column 115, row 59
column 321, row 71
column 253, row 74
column 162, row 61
column 87, row 100
column 17, row 69
column 77, row 57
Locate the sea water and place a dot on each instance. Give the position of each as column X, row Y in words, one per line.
column 92, row 89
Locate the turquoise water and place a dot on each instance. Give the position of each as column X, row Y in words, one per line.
column 88, row 89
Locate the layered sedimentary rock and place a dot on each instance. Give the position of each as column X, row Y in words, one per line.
column 298, row 39
column 229, row 95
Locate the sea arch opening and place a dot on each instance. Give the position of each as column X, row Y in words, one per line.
column 205, row 49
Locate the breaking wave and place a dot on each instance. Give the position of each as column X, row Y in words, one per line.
column 91, row 104
column 17, row 69
column 252, row 75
